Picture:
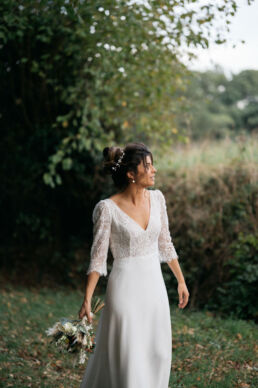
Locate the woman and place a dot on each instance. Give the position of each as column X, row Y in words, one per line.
column 134, row 333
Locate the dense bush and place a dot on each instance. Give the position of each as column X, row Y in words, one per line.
column 237, row 295
column 214, row 222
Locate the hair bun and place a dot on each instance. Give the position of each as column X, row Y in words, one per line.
column 105, row 152
column 117, row 161
column 111, row 156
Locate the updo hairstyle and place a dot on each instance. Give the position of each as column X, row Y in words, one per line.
column 134, row 153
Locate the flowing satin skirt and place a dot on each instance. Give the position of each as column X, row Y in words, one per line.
column 134, row 332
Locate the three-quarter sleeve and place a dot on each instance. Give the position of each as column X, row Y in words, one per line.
column 101, row 232
column 166, row 247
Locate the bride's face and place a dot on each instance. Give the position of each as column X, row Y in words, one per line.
column 146, row 177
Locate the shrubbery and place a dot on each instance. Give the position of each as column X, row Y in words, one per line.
column 213, row 221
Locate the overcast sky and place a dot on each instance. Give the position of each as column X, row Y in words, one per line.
column 244, row 26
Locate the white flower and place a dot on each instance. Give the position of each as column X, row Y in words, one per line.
column 69, row 328
column 82, row 357
column 84, row 340
column 53, row 330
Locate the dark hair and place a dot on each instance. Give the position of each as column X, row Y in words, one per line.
column 134, row 153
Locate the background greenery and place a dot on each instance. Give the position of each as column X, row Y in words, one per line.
column 78, row 76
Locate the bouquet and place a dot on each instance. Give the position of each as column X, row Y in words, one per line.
column 74, row 335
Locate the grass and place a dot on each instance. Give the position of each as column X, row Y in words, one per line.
column 209, row 154
column 207, row 351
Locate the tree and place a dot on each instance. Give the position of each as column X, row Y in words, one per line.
column 101, row 72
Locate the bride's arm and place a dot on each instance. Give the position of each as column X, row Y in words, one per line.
column 91, row 282
column 169, row 254
column 99, row 251
column 181, row 286
column 166, row 247
column 176, row 269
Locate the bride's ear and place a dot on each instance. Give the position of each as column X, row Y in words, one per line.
column 130, row 175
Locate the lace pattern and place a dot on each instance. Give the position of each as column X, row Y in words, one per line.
column 166, row 246
column 126, row 238
column 101, row 232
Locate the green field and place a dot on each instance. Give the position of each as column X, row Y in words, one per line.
column 207, row 351
column 209, row 154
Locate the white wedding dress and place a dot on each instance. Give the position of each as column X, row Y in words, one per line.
column 134, row 333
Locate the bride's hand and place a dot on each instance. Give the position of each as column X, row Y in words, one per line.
column 86, row 310
column 183, row 295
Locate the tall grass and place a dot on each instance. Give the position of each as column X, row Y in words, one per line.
column 202, row 157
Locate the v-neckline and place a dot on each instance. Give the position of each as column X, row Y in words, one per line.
column 130, row 218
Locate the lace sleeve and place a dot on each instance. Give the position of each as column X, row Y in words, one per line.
column 101, row 233
column 166, row 247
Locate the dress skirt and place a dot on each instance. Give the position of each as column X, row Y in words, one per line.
column 134, row 332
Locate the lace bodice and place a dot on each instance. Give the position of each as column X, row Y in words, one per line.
column 114, row 229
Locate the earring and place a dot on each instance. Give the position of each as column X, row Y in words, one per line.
column 133, row 181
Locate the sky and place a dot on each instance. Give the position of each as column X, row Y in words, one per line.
column 244, row 26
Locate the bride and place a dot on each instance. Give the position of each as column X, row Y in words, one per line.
column 134, row 332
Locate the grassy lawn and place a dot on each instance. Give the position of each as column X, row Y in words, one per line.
column 207, row 351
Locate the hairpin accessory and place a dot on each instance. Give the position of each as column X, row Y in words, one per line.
column 119, row 161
